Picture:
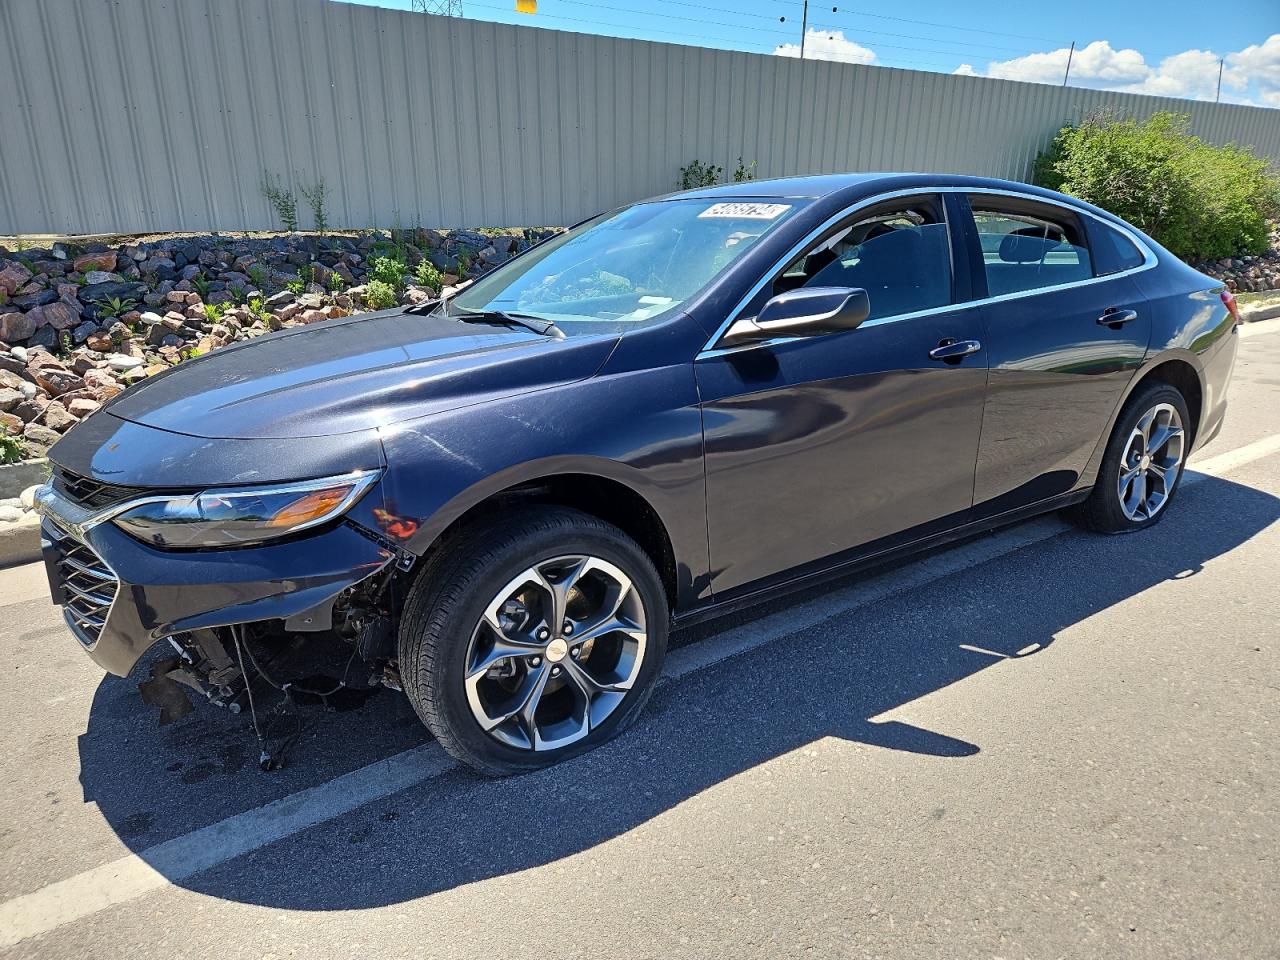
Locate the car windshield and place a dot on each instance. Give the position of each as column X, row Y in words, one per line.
column 626, row 268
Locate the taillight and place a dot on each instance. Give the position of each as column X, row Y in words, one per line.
column 1232, row 307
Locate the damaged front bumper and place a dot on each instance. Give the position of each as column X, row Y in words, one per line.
column 120, row 596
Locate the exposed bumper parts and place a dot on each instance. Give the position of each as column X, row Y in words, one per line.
column 119, row 596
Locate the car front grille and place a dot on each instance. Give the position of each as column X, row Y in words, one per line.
column 89, row 587
column 91, row 493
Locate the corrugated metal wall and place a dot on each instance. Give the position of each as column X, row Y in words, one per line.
column 146, row 115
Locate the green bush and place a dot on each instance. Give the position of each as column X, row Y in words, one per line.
column 379, row 295
column 388, row 270
column 12, row 449
column 1196, row 199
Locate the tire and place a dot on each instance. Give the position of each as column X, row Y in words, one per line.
column 454, row 620
column 1105, row 511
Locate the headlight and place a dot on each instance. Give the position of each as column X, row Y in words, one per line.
column 238, row 516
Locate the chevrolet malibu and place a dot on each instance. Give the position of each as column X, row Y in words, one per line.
column 504, row 501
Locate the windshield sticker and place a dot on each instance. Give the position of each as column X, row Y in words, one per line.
column 746, row 211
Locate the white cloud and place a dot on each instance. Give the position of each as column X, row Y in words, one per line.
column 1191, row 73
column 828, row 45
column 1099, row 61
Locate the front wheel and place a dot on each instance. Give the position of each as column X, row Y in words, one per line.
column 537, row 636
column 1142, row 464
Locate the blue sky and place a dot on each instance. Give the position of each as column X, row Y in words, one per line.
column 1168, row 47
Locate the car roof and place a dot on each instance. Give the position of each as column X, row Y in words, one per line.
column 817, row 186
column 846, row 188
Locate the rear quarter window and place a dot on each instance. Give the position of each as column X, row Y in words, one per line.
column 1113, row 252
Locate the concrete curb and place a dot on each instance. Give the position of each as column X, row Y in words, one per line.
column 20, row 541
column 1261, row 313
column 16, row 477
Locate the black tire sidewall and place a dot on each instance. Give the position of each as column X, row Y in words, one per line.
column 586, row 536
column 1109, row 474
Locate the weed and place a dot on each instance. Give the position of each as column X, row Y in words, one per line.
column 259, row 309
column 315, row 194
column 237, row 294
column 115, row 306
column 12, row 449
column 282, row 201
column 258, row 274
column 388, row 270
column 427, row 275
column 335, row 282
column 214, row 311
column 746, row 172
column 379, row 295
column 464, row 264
column 295, row 286
column 201, row 283
column 307, row 274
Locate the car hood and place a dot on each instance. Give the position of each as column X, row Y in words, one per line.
column 355, row 374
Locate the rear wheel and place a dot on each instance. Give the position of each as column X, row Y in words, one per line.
column 536, row 637
column 1142, row 464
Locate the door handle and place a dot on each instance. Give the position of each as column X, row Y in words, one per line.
column 953, row 351
column 1115, row 317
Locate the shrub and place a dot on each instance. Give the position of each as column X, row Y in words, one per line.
column 427, row 275
column 1197, row 199
column 379, row 295
column 388, row 270
column 744, row 172
column 282, row 201
column 699, row 174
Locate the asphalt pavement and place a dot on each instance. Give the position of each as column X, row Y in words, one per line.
column 1039, row 743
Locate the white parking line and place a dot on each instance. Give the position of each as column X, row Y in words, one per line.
column 132, row 876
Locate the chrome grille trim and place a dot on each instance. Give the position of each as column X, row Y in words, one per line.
column 89, row 588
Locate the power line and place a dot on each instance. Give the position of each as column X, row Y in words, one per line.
column 444, row 8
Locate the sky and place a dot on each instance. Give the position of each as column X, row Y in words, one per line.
column 1165, row 47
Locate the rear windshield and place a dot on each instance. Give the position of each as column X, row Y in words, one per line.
column 629, row 267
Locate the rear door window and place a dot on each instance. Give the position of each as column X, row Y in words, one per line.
column 1029, row 246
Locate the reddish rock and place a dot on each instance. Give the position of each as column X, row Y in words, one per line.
column 30, row 410
column 43, row 360
column 313, row 316
column 15, row 327
column 13, row 275
column 57, row 417
column 106, row 260
column 289, row 311
column 100, row 341
column 58, row 381
column 11, row 425
column 59, row 315
column 82, row 408
column 40, row 436
column 10, row 380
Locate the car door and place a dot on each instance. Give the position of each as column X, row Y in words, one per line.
column 818, row 446
column 1057, row 366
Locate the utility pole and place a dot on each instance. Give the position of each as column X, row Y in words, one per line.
column 804, row 27
column 447, row 8
column 1070, row 54
column 1217, row 97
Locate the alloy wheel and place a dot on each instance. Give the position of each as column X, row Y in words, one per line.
column 1150, row 463
column 555, row 653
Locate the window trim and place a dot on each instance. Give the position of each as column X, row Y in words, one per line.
column 852, row 216
column 1150, row 260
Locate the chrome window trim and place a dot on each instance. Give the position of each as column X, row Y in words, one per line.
column 1149, row 260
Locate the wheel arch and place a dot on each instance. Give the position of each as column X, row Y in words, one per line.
column 1179, row 368
column 599, row 488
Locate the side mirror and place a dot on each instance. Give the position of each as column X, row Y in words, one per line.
column 806, row 312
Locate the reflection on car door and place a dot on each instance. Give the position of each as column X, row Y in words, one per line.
column 819, row 445
column 1056, row 373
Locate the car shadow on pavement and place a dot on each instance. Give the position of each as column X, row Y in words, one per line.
column 829, row 680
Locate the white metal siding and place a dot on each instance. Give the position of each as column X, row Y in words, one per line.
column 147, row 115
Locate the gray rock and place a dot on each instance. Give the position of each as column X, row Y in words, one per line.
column 98, row 276
column 36, row 298
column 121, row 289
column 9, row 514
column 122, row 362
column 19, row 352
column 44, row 337
column 81, row 333
column 27, row 499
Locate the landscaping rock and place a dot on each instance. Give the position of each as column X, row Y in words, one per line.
column 17, row 326
column 13, row 276
column 104, row 260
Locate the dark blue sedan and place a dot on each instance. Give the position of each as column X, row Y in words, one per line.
column 505, row 501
